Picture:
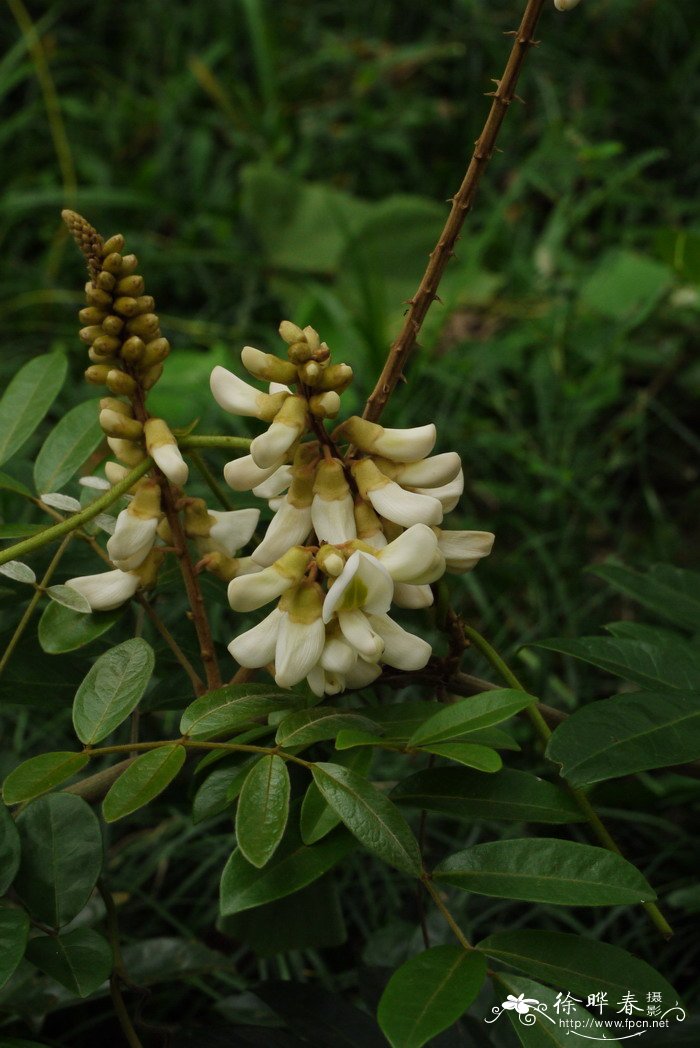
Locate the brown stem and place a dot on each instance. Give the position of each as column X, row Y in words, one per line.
column 461, row 204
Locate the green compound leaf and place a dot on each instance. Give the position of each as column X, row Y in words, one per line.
column 9, row 849
column 40, row 774
column 14, row 933
column 317, row 818
column 26, row 400
column 546, row 870
column 69, row 444
column 626, row 734
column 509, row 795
column 471, row 754
column 228, row 708
column 143, row 781
column 80, row 960
column 478, row 711
column 673, row 593
column 375, row 821
column 244, row 886
column 112, row 689
column 575, row 963
column 303, row 727
column 220, row 789
column 428, row 994
column 62, row 629
column 61, row 857
column 666, row 662
column 263, row 809
column 534, row 1029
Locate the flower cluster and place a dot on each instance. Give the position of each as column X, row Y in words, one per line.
column 356, row 524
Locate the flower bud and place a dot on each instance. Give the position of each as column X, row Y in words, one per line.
column 289, row 424
column 91, row 315
column 267, row 367
column 131, row 286
column 125, row 305
column 566, row 5
column 330, row 561
column 335, row 377
column 150, row 376
column 105, row 281
column 115, row 424
column 135, row 532
column 90, row 333
column 155, row 352
column 115, row 473
column 299, row 352
column 112, row 325
column 146, row 326
column 324, row 405
column 115, row 243
column 133, row 350
column 162, row 447
column 129, row 264
column 96, row 297
column 234, row 395
column 310, row 373
column 126, row 451
column 120, row 383
column 400, row 445
column 290, row 332
column 96, row 374
column 112, row 262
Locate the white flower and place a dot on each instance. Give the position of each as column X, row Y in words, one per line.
column 463, row 549
column 240, row 398
column 290, row 526
column 399, row 445
column 170, row 462
column 256, row 647
column 299, row 647
column 289, row 424
column 132, row 540
column 363, row 583
column 277, row 483
column 408, row 596
column 391, row 501
column 427, row 472
column 448, row 494
column 248, row 592
column 409, row 556
column 362, row 674
column 402, row 650
column 242, row 474
column 338, row 656
column 107, row 590
column 332, row 509
column 357, row 630
column 233, row 528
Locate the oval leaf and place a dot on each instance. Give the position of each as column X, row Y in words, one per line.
column 219, row 790
column 80, row 960
column 302, row 727
column 69, row 598
column 26, row 400
column 471, row 754
column 228, row 708
column 546, row 870
column 317, row 818
column 142, row 781
column 371, row 816
column 576, row 963
column 510, row 795
column 40, row 774
column 9, row 849
column 61, row 629
column 69, row 444
column 540, row 1026
column 19, row 572
column 61, row 857
column 112, row 689
column 428, row 994
column 14, row 932
column 478, row 711
column 626, row 734
column 263, row 808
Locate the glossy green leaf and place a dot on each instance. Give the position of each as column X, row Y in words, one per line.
column 667, row 662
column 80, row 960
column 576, row 963
column 143, row 781
column 539, row 1026
column 471, row 754
column 220, row 789
column 293, row 866
column 546, row 870
column 478, row 711
column 370, row 815
column 26, row 400
column 61, row 857
column 228, row 708
column 263, row 809
column 673, row 593
column 8, row 483
column 14, row 933
column 69, row 598
column 61, row 629
column 514, row 796
column 303, row 727
column 317, row 818
column 112, row 689
column 626, row 734
column 67, row 447
column 428, row 994
column 40, row 774
column 9, row 849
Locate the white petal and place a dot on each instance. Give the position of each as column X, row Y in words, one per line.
column 333, row 519
column 464, row 549
column 434, row 571
column 233, row 528
column 98, row 483
column 405, row 507
column 448, row 494
column 362, row 674
column 406, row 596
column 279, row 387
column 406, row 445
column 299, row 647
column 363, row 583
column 338, row 656
column 335, row 683
column 242, row 474
column 169, row 461
column 132, row 540
column 275, row 484
column 316, row 680
column 402, row 650
column 236, row 396
column 408, row 556
column 357, row 631
column 272, row 445
column 430, row 472
column 256, row 647
column 290, row 526
column 106, row 591
column 248, row 592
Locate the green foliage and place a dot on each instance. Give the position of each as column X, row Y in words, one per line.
column 142, row 781
column 67, row 446
column 263, row 808
column 26, row 400
column 40, row 774
column 80, row 960
column 112, row 690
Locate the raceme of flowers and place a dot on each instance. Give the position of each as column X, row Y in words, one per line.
column 356, row 525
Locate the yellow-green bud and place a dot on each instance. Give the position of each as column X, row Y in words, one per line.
column 330, row 560
column 106, row 345
column 131, row 286
column 310, row 373
column 325, row 405
column 105, row 281
column 335, row 377
column 97, row 297
column 116, row 425
column 268, row 367
column 115, row 243
column 120, row 383
column 129, row 265
column 125, row 305
column 112, row 404
column 146, row 326
column 89, row 334
column 133, row 350
column 144, row 304
column 290, row 332
column 113, row 263
column 299, row 352
column 150, row 376
column 155, row 352
column 96, row 374
column 112, row 325
column 91, row 315
column 126, row 451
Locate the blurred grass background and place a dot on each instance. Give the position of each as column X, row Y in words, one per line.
column 292, row 160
